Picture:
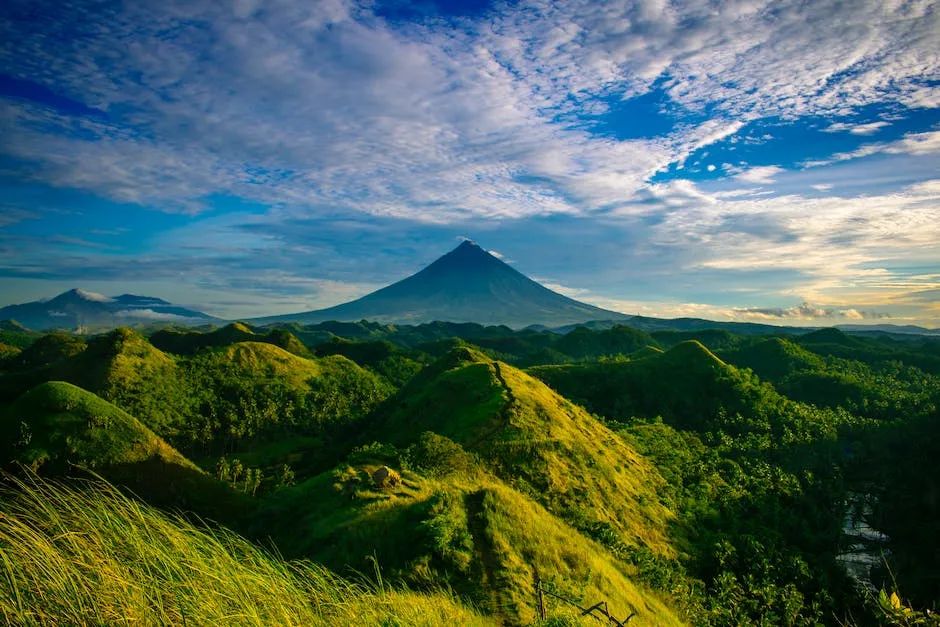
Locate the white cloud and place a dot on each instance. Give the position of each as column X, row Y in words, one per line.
column 916, row 144
column 326, row 105
column 759, row 174
column 806, row 311
column 857, row 129
column 152, row 316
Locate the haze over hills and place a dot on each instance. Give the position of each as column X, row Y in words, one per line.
column 467, row 284
column 78, row 308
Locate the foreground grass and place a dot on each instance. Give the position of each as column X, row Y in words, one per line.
column 94, row 556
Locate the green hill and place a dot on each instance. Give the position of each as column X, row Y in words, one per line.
column 540, row 443
column 582, row 342
column 253, row 392
column 687, row 385
column 15, row 334
column 395, row 364
column 646, row 351
column 57, row 428
column 7, row 353
column 120, row 366
column 95, row 557
column 216, row 398
column 462, row 529
column 49, row 349
column 189, row 342
column 774, row 358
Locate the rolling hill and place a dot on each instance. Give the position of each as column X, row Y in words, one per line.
column 687, row 386
column 541, row 443
column 59, row 429
column 467, row 284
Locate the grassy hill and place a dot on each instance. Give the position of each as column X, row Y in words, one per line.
column 542, row 444
column 49, row 349
column 877, row 389
column 774, row 358
column 396, row 364
column 686, row 385
column 93, row 556
column 254, row 389
column 458, row 527
column 7, row 353
column 15, row 334
column 120, row 366
column 209, row 401
column 58, row 428
column 581, row 342
column 189, row 342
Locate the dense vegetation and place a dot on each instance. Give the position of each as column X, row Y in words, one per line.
column 701, row 476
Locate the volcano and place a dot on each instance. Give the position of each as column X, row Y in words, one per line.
column 467, row 284
column 84, row 310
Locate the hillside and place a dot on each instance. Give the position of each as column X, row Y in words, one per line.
column 466, row 285
column 57, row 428
column 253, row 389
column 542, row 444
column 185, row 342
column 711, row 485
column 687, row 385
column 459, row 527
column 92, row 556
column 121, row 366
column 774, row 358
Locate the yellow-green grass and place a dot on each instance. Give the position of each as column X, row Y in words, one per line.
column 59, row 424
column 95, row 557
column 8, row 352
column 535, row 440
column 266, row 360
column 120, row 366
column 60, row 429
column 467, row 531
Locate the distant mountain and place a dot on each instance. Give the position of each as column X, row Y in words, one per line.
column 466, row 285
column 904, row 329
column 79, row 308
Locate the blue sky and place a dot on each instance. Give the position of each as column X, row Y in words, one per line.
column 766, row 161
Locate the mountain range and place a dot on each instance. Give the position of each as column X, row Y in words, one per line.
column 468, row 284
column 81, row 309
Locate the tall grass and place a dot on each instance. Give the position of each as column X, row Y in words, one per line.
column 90, row 555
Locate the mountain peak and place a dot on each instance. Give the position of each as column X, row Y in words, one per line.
column 469, row 244
column 468, row 284
column 79, row 308
column 82, row 295
column 468, row 256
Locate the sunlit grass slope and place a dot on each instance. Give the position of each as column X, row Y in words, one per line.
column 58, row 424
column 58, row 428
column 243, row 388
column 461, row 528
column 95, row 557
column 536, row 440
column 120, row 366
